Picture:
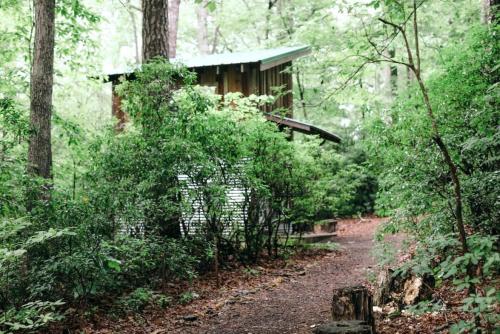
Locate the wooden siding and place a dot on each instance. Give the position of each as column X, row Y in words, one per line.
column 249, row 79
column 116, row 110
column 194, row 218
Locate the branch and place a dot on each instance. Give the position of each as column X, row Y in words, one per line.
column 384, row 21
column 129, row 6
column 271, row 4
column 415, row 31
column 344, row 84
column 401, row 29
column 381, row 51
column 411, row 63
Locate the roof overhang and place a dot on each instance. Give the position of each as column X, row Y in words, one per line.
column 284, row 58
column 302, row 127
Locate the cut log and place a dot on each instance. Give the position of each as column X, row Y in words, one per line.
column 353, row 303
column 344, row 327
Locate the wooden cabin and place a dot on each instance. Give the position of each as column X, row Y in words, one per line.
column 262, row 72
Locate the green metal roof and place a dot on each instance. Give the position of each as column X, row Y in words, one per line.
column 258, row 56
column 266, row 58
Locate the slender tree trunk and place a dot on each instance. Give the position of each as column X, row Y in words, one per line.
column 394, row 74
column 302, row 90
column 154, row 29
column 136, row 35
column 202, row 32
column 449, row 162
column 416, row 67
column 270, row 5
column 173, row 24
column 414, row 64
column 490, row 11
column 42, row 73
column 386, row 79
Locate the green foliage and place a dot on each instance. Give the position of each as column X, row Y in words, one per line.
column 137, row 300
column 413, row 177
column 30, row 317
column 14, row 132
column 328, row 246
column 415, row 184
column 187, row 297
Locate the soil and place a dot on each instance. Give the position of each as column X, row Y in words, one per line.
column 293, row 296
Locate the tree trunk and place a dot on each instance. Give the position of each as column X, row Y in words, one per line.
column 202, row 32
column 449, row 162
column 154, row 29
column 302, row 90
column 136, row 36
column 414, row 64
column 173, row 23
column 353, row 303
column 40, row 151
column 490, row 11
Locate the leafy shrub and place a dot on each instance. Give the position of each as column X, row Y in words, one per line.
column 30, row 317
column 187, row 297
column 137, row 300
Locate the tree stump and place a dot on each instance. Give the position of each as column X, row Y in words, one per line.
column 382, row 288
column 401, row 289
column 353, row 303
column 345, row 327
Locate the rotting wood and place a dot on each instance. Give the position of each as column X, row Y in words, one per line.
column 402, row 290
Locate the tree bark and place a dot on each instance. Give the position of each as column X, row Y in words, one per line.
column 173, row 24
column 490, row 11
column 154, row 29
column 202, row 32
column 415, row 66
column 302, row 90
column 42, row 73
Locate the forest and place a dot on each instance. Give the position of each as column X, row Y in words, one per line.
column 168, row 166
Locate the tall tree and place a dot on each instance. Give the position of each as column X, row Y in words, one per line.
column 202, row 31
column 42, row 73
column 173, row 23
column 154, row 29
column 155, row 40
column 131, row 9
column 413, row 62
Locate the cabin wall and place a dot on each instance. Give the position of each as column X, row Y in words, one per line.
column 116, row 109
column 249, row 79
column 277, row 81
column 245, row 78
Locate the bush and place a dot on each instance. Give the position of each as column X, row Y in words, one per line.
column 30, row 317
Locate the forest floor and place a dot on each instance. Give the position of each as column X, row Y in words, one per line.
column 286, row 296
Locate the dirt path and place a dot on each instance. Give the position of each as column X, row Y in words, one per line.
column 286, row 297
column 300, row 302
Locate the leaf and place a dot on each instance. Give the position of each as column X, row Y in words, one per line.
column 114, row 264
column 211, row 6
